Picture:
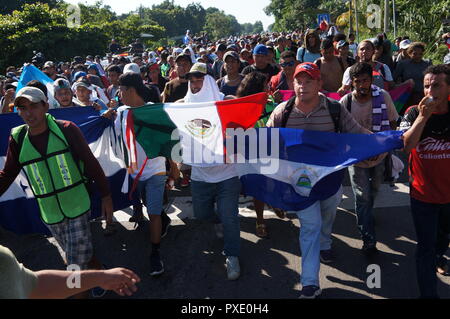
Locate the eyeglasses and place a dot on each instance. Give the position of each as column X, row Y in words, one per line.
column 286, row 64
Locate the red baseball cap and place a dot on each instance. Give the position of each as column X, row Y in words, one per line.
column 309, row 68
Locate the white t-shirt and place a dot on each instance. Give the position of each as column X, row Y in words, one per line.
column 387, row 71
column 214, row 174
column 154, row 165
column 353, row 48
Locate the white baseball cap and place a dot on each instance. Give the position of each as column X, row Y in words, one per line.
column 132, row 67
column 405, row 44
column 32, row 94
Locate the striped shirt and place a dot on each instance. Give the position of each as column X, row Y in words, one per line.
column 319, row 119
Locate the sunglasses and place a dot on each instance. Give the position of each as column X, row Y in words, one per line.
column 286, row 64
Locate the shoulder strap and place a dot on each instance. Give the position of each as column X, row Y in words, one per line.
column 287, row 111
column 349, row 103
column 335, row 111
column 282, row 82
column 341, row 64
column 319, row 62
column 303, row 54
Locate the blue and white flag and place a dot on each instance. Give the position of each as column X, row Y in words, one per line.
column 285, row 168
column 298, row 167
column 30, row 73
column 19, row 211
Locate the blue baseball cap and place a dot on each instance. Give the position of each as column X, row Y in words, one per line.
column 79, row 74
column 260, row 49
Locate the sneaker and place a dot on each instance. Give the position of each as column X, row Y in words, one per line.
column 233, row 268
column 184, row 182
column 219, row 230
column 98, row 292
column 369, row 247
column 326, row 256
column 165, row 223
column 442, row 266
column 156, row 265
column 310, row 292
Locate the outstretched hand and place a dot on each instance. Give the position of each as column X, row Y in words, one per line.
column 120, row 280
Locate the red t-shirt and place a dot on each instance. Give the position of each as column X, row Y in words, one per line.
column 429, row 162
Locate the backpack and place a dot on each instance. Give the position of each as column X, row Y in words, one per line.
column 303, row 55
column 334, row 107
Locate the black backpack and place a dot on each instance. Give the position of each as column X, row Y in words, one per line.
column 334, row 107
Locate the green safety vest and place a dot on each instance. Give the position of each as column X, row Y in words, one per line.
column 55, row 179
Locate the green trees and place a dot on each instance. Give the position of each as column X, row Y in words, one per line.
column 41, row 25
column 421, row 20
column 8, row 6
column 176, row 20
column 40, row 28
column 248, row 28
column 37, row 27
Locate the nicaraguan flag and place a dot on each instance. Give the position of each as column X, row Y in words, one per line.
column 293, row 168
column 30, row 73
column 19, row 211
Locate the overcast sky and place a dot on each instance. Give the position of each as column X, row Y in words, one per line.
column 243, row 10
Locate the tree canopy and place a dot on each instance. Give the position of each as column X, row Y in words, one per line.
column 41, row 25
column 421, row 20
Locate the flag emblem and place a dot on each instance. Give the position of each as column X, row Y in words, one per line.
column 200, row 128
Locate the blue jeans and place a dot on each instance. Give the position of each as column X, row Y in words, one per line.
column 226, row 193
column 152, row 192
column 432, row 224
column 365, row 184
column 316, row 223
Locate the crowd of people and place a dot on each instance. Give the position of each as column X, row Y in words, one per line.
column 310, row 64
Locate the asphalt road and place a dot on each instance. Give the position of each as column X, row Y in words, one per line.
column 270, row 268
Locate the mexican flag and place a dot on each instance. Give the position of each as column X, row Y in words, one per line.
column 198, row 129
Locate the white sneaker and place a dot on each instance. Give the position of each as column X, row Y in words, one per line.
column 219, row 230
column 233, row 268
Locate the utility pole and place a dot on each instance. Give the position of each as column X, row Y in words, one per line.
column 395, row 19
column 386, row 16
column 350, row 29
column 356, row 16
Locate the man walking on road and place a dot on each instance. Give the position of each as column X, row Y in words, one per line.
column 149, row 174
column 216, row 184
column 427, row 140
column 56, row 160
column 311, row 110
column 373, row 109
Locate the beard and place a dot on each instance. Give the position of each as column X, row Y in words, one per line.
column 363, row 92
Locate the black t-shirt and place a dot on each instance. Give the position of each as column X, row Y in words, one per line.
column 269, row 70
column 152, row 94
column 437, row 126
column 174, row 91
